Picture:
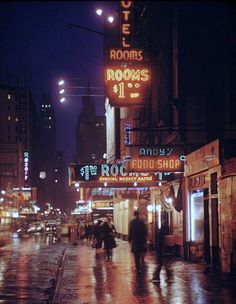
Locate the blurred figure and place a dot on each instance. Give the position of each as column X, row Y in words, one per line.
column 88, row 232
column 109, row 232
column 98, row 236
column 81, row 230
column 159, row 250
column 137, row 236
column 73, row 234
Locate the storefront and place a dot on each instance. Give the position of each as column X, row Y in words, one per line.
column 202, row 241
column 167, row 208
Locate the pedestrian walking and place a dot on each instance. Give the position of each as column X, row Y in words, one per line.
column 73, row 232
column 137, row 236
column 159, row 250
column 109, row 232
column 88, row 232
column 98, row 236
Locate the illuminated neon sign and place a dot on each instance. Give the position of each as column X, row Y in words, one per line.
column 155, row 159
column 26, row 166
column 97, row 174
column 127, row 86
column 127, row 78
column 161, row 164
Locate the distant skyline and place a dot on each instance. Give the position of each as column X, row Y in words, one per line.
column 38, row 45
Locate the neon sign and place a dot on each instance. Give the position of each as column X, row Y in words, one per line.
column 26, row 166
column 154, row 159
column 114, row 174
column 164, row 164
column 126, row 83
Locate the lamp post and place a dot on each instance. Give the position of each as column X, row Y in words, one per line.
column 63, row 88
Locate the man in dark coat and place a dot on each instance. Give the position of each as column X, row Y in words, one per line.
column 138, row 238
column 160, row 250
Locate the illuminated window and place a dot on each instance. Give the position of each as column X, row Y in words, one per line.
column 9, row 117
column 49, row 127
column 50, row 118
column 8, row 96
column 56, row 181
column 16, row 119
column 197, row 216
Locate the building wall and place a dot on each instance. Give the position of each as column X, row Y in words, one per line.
column 18, row 131
column 227, row 186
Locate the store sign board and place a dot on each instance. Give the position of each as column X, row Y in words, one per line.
column 102, row 204
column 203, row 158
column 155, row 164
column 95, row 175
column 155, row 159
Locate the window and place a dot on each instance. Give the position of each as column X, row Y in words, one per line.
column 214, row 183
column 197, row 217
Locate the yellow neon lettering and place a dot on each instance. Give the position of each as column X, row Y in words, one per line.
column 140, row 55
column 112, row 54
column 118, row 75
column 127, row 74
column 126, row 29
column 126, row 4
column 135, row 55
column 110, row 74
column 124, row 43
column 144, row 75
column 126, row 15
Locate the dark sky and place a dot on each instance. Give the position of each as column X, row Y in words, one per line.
column 36, row 43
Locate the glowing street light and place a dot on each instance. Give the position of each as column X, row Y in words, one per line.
column 62, row 91
column 61, row 82
column 99, row 11
column 110, row 19
column 62, row 99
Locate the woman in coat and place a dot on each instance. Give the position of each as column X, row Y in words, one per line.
column 109, row 238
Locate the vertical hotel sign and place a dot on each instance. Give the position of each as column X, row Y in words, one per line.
column 127, row 78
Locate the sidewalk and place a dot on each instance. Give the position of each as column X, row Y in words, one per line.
column 85, row 279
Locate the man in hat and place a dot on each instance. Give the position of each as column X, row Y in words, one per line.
column 138, row 238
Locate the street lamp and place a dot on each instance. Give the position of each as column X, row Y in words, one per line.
column 63, row 88
column 61, row 82
column 110, row 18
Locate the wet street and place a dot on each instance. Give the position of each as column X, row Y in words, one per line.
column 38, row 270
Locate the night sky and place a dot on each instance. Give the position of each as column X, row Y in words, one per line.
column 37, row 44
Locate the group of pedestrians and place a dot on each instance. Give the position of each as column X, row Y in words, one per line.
column 104, row 232
column 102, row 236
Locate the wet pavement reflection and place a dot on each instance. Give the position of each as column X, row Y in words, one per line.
column 41, row 270
column 28, row 270
column 86, row 279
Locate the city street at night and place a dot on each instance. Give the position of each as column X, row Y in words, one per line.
column 117, row 152
column 36, row 270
